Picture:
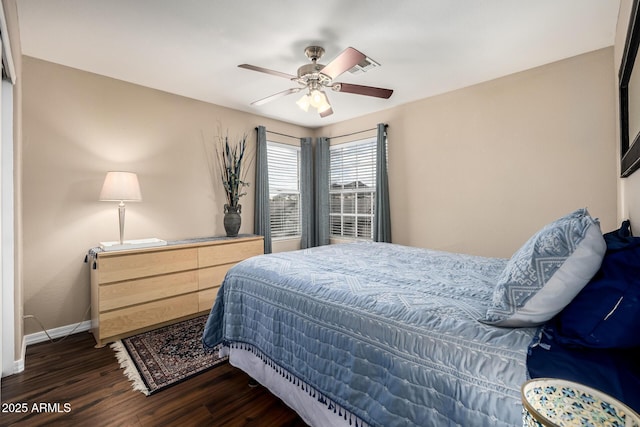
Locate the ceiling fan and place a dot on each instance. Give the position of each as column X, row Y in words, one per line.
column 316, row 77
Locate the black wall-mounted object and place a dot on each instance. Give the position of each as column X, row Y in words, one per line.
column 629, row 144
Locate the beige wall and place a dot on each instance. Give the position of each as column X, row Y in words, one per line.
column 480, row 169
column 477, row 170
column 79, row 125
column 629, row 188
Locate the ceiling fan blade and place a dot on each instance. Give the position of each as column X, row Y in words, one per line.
column 327, row 112
column 267, row 71
column 277, row 95
column 347, row 59
column 362, row 90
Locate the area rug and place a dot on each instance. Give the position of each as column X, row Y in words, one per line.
column 163, row 357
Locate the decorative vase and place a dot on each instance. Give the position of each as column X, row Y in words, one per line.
column 232, row 220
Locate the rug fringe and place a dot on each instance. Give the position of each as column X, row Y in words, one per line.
column 129, row 368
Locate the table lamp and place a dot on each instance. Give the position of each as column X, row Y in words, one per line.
column 121, row 187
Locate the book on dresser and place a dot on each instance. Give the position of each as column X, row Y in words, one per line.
column 136, row 290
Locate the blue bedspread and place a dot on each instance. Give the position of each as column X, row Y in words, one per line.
column 387, row 331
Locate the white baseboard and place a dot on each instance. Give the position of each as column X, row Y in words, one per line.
column 62, row 331
column 18, row 365
column 57, row 332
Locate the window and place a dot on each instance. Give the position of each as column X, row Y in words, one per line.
column 352, row 189
column 284, row 190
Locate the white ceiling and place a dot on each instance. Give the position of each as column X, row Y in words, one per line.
column 425, row 47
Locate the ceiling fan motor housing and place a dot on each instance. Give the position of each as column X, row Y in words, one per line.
column 310, row 74
column 314, row 52
column 308, row 70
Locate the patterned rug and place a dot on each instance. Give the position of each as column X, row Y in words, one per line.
column 163, row 357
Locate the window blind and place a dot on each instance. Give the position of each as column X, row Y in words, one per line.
column 352, row 189
column 284, row 190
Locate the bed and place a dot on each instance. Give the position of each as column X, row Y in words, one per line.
column 379, row 334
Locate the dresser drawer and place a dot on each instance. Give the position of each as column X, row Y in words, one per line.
column 128, row 319
column 212, row 276
column 206, row 298
column 130, row 266
column 227, row 253
column 132, row 292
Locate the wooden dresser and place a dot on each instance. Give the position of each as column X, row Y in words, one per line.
column 141, row 289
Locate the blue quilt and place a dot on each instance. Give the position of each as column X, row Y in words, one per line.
column 386, row 331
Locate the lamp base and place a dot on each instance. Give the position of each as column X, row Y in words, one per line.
column 132, row 244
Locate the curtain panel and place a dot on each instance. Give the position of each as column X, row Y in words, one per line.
column 322, row 191
column 308, row 238
column 382, row 217
column 262, row 217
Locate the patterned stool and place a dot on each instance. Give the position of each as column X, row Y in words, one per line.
column 553, row 402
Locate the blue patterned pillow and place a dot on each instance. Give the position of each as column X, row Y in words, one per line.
column 545, row 274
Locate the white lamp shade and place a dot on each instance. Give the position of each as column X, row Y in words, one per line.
column 121, row 187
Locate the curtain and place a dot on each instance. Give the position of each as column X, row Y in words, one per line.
column 308, row 238
column 262, row 219
column 382, row 216
column 322, row 192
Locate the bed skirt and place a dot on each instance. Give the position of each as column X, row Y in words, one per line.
column 315, row 411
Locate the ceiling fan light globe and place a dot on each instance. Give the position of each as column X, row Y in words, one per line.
column 304, row 103
column 324, row 104
column 324, row 107
column 317, row 98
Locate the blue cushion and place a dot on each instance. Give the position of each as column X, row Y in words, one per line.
column 606, row 313
column 545, row 274
column 620, row 238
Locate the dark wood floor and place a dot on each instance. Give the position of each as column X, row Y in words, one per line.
column 91, row 382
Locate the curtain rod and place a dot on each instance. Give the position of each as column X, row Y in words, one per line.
column 281, row 134
column 360, row 131
column 332, row 137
